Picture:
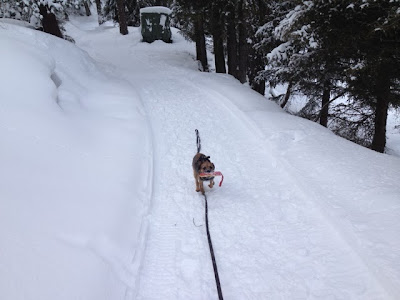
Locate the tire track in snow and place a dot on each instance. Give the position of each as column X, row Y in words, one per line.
column 168, row 263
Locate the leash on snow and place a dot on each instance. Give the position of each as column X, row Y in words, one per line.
column 198, row 141
column 217, row 282
column 214, row 263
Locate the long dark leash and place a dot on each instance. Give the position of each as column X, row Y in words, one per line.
column 218, row 283
column 214, row 263
column 198, row 141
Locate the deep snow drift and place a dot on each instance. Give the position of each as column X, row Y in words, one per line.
column 74, row 180
column 98, row 199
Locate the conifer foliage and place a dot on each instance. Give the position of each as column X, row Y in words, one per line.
column 45, row 14
column 343, row 55
column 230, row 26
column 329, row 49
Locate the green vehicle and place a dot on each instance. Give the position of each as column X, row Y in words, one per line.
column 155, row 24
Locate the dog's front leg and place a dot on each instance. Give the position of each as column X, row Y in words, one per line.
column 201, row 186
column 196, row 179
column 211, row 183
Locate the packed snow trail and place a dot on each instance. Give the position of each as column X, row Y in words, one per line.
column 271, row 238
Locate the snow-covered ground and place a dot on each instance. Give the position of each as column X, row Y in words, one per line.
column 98, row 199
column 297, row 102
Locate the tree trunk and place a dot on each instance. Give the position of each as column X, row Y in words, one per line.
column 87, row 9
column 379, row 139
column 231, row 41
column 49, row 21
column 123, row 28
column 243, row 47
column 287, row 95
column 382, row 92
column 201, row 51
column 326, row 95
column 256, row 63
column 219, row 53
column 99, row 12
column 255, row 66
column 218, row 40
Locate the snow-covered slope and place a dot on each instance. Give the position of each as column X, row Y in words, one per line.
column 74, row 172
column 100, row 201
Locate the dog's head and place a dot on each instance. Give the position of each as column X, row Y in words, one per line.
column 206, row 166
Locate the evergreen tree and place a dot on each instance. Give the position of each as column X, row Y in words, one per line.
column 49, row 21
column 232, row 38
column 306, row 59
column 256, row 59
column 375, row 79
column 43, row 14
column 333, row 48
column 131, row 9
column 265, row 41
column 190, row 17
column 100, row 17
column 243, row 47
column 217, row 30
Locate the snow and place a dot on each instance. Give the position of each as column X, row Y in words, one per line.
column 280, row 52
column 16, row 22
column 156, row 9
column 70, row 203
column 98, row 198
column 163, row 19
column 281, row 30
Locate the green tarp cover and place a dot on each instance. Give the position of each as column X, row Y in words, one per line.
column 155, row 23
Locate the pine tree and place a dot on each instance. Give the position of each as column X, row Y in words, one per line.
column 123, row 26
column 217, row 30
column 376, row 78
column 256, row 60
column 39, row 13
column 232, row 38
column 333, row 48
column 190, row 16
column 49, row 21
column 100, row 17
column 265, row 41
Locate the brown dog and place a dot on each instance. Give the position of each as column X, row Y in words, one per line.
column 202, row 164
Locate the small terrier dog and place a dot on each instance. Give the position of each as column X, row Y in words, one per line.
column 202, row 164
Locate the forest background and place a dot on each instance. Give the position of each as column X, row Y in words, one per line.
column 342, row 56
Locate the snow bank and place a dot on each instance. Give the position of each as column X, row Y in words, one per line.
column 75, row 169
column 156, row 9
column 302, row 213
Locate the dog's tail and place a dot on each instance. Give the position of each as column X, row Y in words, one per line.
column 198, row 141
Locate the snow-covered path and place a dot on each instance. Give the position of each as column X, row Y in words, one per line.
column 285, row 249
column 273, row 236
